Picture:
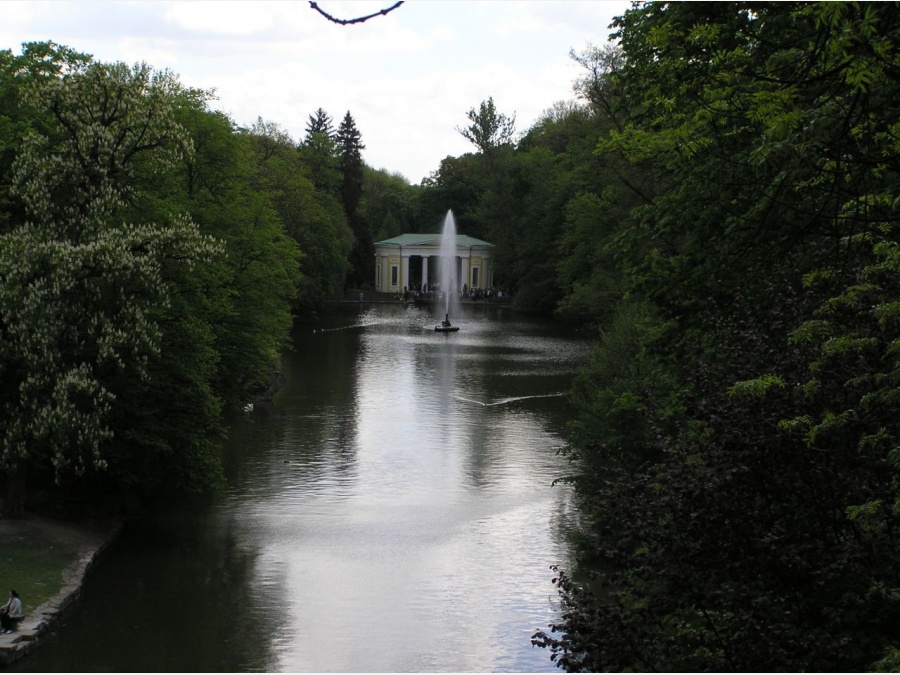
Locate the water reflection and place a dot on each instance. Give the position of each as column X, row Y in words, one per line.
column 391, row 511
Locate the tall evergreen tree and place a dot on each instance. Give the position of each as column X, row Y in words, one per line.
column 350, row 143
column 319, row 122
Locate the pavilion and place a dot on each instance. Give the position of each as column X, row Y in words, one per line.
column 410, row 260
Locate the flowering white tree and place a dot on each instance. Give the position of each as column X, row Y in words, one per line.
column 80, row 285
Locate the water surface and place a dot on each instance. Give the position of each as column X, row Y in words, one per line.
column 391, row 511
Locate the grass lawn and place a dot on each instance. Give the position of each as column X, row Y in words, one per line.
column 34, row 566
column 36, row 552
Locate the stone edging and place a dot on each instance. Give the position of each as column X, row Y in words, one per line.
column 14, row 646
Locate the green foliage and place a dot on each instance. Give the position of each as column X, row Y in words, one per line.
column 146, row 276
column 80, row 286
column 37, row 62
column 741, row 515
column 455, row 183
column 388, row 204
column 319, row 122
column 319, row 154
column 313, row 217
column 613, row 394
column 362, row 256
column 489, row 128
column 586, row 269
column 756, row 388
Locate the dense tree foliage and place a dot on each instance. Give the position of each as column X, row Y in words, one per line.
column 720, row 202
column 84, row 286
column 736, row 451
column 388, row 204
column 151, row 256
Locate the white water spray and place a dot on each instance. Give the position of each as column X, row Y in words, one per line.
column 449, row 276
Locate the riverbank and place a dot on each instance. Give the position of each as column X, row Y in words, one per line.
column 45, row 560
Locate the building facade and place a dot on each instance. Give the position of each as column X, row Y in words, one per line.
column 411, row 260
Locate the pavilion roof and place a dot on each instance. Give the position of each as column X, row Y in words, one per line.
column 426, row 239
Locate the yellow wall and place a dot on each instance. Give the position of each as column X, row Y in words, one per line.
column 473, row 263
column 393, row 261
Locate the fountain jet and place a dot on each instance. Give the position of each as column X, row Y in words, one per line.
column 449, row 278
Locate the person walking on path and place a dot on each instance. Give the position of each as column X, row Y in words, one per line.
column 11, row 612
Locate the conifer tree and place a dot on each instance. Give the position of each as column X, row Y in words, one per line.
column 319, row 153
column 319, row 122
column 350, row 144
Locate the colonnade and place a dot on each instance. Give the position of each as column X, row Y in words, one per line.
column 409, row 261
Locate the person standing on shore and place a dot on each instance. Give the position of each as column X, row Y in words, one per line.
column 11, row 612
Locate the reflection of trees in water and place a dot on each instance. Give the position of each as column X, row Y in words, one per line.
column 311, row 433
column 512, row 392
column 164, row 571
column 218, row 571
column 168, row 595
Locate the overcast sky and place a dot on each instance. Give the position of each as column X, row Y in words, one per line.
column 407, row 78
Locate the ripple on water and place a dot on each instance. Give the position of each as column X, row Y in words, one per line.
column 414, row 524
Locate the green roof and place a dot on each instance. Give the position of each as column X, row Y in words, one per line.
column 425, row 239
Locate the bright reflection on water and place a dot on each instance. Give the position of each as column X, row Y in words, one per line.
column 391, row 511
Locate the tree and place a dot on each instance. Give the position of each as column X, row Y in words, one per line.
column 271, row 139
column 37, row 62
column 388, row 203
column 492, row 132
column 750, row 523
column 489, row 128
column 319, row 123
column 362, row 265
column 457, row 184
column 320, row 155
column 311, row 217
column 350, row 145
column 596, row 86
column 80, row 286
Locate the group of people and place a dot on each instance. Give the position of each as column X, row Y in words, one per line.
column 435, row 291
column 488, row 293
column 11, row 613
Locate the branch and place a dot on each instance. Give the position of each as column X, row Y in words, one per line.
column 359, row 19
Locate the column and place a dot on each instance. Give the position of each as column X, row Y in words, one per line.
column 425, row 269
column 404, row 271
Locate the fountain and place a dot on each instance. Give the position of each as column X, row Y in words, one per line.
column 448, row 276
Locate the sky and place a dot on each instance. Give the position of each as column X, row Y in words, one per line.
column 408, row 78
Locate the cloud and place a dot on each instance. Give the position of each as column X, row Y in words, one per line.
column 407, row 78
column 230, row 18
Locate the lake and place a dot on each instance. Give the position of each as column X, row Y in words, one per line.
column 392, row 510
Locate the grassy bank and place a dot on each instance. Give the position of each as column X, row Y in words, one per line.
column 38, row 556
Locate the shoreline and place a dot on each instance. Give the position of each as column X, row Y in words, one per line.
column 92, row 539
